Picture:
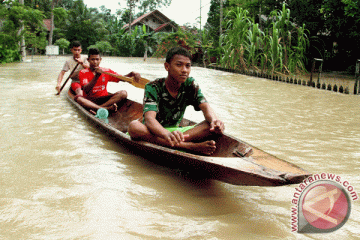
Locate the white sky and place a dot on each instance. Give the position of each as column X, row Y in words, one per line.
column 181, row 11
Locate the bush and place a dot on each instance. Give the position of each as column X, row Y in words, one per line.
column 103, row 46
column 185, row 39
column 62, row 43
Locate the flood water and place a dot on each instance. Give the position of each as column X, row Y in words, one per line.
column 61, row 178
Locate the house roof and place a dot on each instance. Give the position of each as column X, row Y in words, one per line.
column 155, row 14
column 161, row 26
column 139, row 19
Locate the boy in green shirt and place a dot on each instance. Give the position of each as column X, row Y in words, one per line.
column 165, row 102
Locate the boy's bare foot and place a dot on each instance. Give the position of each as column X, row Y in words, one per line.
column 113, row 108
column 206, row 148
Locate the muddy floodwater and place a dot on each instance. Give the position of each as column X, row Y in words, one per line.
column 61, row 178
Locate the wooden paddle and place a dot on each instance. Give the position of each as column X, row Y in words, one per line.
column 62, row 87
column 141, row 84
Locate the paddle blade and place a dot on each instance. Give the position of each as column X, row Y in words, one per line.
column 141, row 84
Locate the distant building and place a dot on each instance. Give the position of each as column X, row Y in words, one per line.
column 155, row 21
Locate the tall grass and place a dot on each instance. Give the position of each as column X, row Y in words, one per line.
column 278, row 49
column 234, row 39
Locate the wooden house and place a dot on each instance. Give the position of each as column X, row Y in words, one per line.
column 154, row 21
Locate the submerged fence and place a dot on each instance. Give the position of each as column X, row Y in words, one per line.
column 357, row 78
column 316, row 68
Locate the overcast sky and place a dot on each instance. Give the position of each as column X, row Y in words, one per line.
column 181, row 11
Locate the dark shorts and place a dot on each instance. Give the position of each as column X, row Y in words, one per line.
column 100, row 100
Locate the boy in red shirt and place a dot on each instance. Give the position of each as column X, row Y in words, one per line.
column 94, row 84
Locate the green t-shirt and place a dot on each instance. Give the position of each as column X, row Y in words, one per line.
column 170, row 110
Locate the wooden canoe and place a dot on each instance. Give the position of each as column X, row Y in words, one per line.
column 234, row 161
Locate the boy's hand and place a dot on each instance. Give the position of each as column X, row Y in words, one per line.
column 58, row 88
column 98, row 71
column 217, row 126
column 78, row 60
column 137, row 76
column 134, row 75
column 175, row 138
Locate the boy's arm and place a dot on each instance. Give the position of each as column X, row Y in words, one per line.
column 88, row 87
column 115, row 77
column 65, row 68
column 83, row 62
column 153, row 125
column 59, row 80
column 84, row 65
column 216, row 125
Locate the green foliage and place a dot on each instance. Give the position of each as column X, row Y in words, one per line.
column 352, row 8
column 276, row 42
column 186, row 39
column 342, row 22
column 73, row 21
column 327, row 23
column 85, row 25
column 60, row 16
column 62, row 43
column 36, row 40
column 9, row 50
column 127, row 44
column 14, row 16
column 150, row 5
column 233, row 40
column 280, row 49
column 103, row 46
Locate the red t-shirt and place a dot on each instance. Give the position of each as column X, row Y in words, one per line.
column 99, row 89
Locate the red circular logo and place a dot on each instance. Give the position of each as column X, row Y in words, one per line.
column 325, row 206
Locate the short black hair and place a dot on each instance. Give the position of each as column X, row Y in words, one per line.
column 93, row 51
column 179, row 51
column 75, row 44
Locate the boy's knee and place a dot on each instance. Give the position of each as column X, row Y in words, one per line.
column 122, row 94
column 79, row 91
column 134, row 129
column 77, row 98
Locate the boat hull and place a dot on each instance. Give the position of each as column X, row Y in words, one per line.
column 234, row 162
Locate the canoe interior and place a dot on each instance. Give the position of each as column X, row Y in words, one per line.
column 130, row 110
column 230, row 151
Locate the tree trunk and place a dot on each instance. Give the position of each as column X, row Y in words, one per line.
column 221, row 15
column 131, row 3
column 53, row 2
column 145, row 54
column 22, row 41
